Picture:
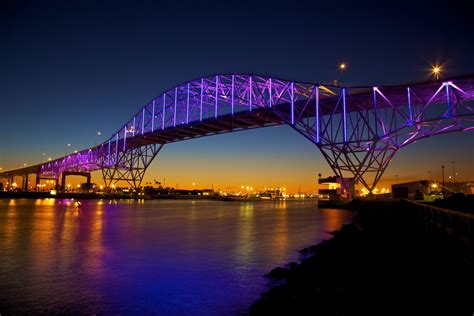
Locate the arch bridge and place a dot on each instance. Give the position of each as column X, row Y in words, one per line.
column 357, row 129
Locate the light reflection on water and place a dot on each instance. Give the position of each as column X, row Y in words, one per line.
column 163, row 257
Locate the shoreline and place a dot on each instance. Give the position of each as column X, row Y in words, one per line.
column 380, row 263
column 112, row 196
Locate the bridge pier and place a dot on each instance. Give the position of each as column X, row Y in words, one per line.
column 130, row 166
column 37, row 182
column 87, row 175
column 24, row 182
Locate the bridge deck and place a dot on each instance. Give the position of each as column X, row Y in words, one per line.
column 264, row 114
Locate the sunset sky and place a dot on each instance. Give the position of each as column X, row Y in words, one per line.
column 71, row 69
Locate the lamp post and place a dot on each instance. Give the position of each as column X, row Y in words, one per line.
column 436, row 71
column 454, row 170
column 442, row 173
column 96, row 137
column 342, row 67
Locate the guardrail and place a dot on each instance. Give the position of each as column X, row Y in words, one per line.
column 447, row 225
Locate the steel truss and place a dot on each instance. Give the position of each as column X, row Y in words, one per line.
column 357, row 129
column 130, row 166
column 359, row 137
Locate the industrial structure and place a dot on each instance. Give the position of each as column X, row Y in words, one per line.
column 357, row 129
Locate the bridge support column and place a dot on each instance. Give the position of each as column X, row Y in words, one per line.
column 37, row 181
column 364, row 165
column 25, row 182
column 130, row 165
column 355, row 140
column 87, row 175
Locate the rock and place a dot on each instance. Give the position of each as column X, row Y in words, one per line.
column 279, row 273
column 304, row 251
column 292, row 266
column 313, row 248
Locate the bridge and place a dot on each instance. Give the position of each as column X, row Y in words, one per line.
column 357, row 129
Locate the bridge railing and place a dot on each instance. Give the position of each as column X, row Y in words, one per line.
column 450, row 226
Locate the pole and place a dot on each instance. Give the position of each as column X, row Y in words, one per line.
column 442, row 172
column 454, row 170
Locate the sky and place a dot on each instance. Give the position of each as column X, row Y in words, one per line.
column 69, row 69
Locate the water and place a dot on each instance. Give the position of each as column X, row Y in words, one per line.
column 167, row 257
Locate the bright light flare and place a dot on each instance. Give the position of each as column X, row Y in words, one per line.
column 436, row 71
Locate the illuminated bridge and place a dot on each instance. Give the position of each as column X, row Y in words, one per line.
column 357, row 129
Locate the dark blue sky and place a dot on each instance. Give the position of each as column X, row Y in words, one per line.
column 72, row 68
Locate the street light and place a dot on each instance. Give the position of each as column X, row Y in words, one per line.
column 436, row 71
column 454, row 170
column 442, row 172
column 96, row 137
column 342, row 67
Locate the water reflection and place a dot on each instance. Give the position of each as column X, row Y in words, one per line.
column 333, row 219
column 246, row 236
column 139, row 257
column 280, row 240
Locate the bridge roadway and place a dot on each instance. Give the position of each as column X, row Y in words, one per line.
column 225, row 124
column 358, row 129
